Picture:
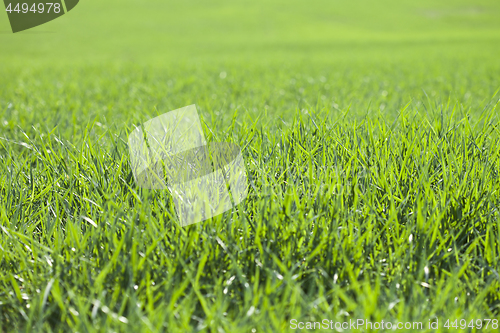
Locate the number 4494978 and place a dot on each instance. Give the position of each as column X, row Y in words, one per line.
column 479, row 324
column 35, row 8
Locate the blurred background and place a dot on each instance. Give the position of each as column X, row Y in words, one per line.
column 126, row 61
column 160, row 32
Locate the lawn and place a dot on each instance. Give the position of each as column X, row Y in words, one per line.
column 370, row 134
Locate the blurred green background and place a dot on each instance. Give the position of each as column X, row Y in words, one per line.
column 161, row 32
column 116, row 58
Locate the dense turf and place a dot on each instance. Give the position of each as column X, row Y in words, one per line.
column 371, row 143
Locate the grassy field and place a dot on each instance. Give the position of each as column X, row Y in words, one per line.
column 371, row 139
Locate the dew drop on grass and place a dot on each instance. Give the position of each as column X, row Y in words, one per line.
column 251, row 311
column 392, row 304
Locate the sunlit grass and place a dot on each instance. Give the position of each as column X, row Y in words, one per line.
column 372, row 155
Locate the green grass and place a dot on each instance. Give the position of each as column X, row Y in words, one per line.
column 371, row 139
